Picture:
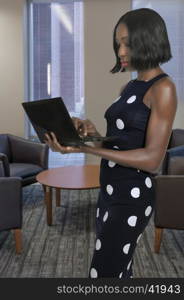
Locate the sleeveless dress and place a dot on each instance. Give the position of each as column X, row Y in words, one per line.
column 126, row 198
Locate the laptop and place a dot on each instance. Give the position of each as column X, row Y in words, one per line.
column 48, row 115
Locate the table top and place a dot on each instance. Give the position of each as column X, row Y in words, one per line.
column 71, row 177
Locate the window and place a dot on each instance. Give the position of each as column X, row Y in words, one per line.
column 172, row 13
column 55, row 53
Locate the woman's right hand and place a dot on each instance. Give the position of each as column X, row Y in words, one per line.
column 85, row 127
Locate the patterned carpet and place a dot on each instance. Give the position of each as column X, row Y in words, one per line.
column 64, row 250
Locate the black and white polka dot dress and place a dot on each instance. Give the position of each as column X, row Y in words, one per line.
column 126, row 198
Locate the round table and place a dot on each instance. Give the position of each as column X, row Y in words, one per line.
column 69, row 177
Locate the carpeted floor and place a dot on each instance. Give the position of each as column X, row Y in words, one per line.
column 64, row 249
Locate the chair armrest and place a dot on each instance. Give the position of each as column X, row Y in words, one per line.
column 177, row 138
column 169, row 204
column 2, row 172
column 26, row 151
column 10, row 203
column 175, row 161
column 5, row 168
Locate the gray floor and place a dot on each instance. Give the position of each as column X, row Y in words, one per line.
column 64, row 250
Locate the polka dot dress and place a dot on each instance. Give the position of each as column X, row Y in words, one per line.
column 126, row 198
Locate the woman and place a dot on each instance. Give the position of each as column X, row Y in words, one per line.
column 142, row 118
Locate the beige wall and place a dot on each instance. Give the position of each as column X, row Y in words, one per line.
column 101, row 87
column 179, row 120
column 11, row 66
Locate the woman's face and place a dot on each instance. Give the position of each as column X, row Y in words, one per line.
column 122, row 42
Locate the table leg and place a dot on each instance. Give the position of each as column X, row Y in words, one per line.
column 48, row 200
column 58, row 197
column 44, row 190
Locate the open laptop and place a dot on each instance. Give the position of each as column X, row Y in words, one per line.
column 48, row 115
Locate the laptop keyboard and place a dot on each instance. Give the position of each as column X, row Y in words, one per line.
column 95, row 138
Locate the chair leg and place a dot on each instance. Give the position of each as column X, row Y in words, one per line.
column 158, row 238
column 18, row 240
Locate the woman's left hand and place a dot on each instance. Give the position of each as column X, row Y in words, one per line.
column 55, row 146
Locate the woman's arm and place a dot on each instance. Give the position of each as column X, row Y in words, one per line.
column 163, row 109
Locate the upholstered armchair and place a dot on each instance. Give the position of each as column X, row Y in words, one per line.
column 20, row 161
column 22, row 158
column 169, row 209
column 11, row 206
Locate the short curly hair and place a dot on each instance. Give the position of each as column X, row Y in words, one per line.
column 148, row 40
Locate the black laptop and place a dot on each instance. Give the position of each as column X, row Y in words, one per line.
column 48, row 115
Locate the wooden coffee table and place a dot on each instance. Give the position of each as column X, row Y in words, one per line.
column 69, row 177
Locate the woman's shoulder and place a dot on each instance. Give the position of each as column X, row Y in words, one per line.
column 163, row 92
column 165, row 83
